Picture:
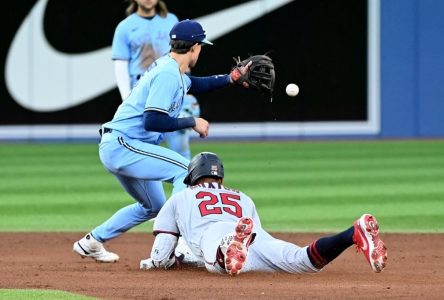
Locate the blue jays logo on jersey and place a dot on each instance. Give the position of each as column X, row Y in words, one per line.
column 175, row 106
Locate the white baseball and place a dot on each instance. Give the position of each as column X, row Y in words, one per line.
column 292, row 90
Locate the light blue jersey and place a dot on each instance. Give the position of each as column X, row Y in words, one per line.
column 162, row 89
column 141, row 41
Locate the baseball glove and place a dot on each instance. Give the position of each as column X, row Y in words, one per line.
column 259, row 75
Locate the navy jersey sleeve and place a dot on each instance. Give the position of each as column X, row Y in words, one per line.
column 209, row 83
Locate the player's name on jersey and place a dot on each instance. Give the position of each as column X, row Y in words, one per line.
column 213, row 185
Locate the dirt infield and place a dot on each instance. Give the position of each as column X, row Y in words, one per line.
column 45, row 261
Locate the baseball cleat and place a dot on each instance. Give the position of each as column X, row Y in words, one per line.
column 366, row 238
column 235, row 246
column 88, row 246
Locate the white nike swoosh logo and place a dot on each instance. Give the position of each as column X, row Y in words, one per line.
column 364, row 240
column 42, row 79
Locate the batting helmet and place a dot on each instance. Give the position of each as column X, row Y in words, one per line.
column 204, row 164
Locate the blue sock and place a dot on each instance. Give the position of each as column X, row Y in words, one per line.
column 326, row 249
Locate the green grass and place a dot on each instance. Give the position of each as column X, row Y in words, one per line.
column 10, row 294
column 297, row 186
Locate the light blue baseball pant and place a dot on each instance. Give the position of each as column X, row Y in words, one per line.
column 179, row 141
column 140, row 168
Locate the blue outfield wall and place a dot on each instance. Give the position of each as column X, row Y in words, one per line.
column 412, row 68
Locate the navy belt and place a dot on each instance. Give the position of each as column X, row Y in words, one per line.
column 105, row 130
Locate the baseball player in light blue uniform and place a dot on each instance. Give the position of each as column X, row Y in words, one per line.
column 129, row 147
column 138, row 41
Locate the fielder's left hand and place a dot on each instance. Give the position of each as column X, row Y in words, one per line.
column 240, row 72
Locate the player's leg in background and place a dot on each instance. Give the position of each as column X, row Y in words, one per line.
column 179, row 141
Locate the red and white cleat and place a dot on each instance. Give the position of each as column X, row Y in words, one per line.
column 366, row 238
column 235, row 246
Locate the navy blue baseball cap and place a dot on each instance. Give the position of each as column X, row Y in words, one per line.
column 188, row 30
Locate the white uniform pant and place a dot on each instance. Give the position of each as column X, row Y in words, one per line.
column 266, row 254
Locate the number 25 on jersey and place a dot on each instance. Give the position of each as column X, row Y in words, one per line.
column 213, row 204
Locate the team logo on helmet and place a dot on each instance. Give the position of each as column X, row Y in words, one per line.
column 214, row 170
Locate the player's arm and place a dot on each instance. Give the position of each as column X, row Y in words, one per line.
column 156, row 117
column 167, row 233
column 120, row 53
column 161, row 122
column 122, row 77
column 209, row 83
